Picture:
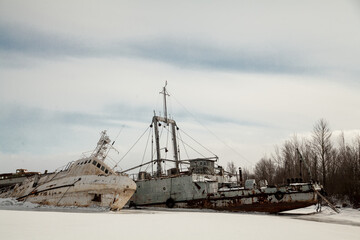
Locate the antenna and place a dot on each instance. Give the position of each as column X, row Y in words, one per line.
column 164, row 92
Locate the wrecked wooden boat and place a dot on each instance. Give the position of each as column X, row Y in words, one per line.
column 202, row 184
column 89, row 181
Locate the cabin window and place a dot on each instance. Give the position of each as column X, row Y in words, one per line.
column 98, row 165
column 89, row 161
column 94, row 162
column 106, row 171
column 102, row 168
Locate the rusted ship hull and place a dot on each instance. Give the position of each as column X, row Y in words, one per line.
column 253, row 204
column 235, row 205
column 82, row 191
column 191, row 192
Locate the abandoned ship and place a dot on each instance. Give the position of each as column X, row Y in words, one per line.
column 201, row 183
column 88, row 181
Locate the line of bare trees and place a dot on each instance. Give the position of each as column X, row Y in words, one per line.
column 335, row 164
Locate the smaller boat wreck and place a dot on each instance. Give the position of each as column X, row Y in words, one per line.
column 10, row 179
column 86, row 182
column 200, row 183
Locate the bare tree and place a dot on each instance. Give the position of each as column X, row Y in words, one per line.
column 291, row 163
column 338, row 165
column 265, row 170
column 247, row 174
column 322, row 145
column 231, row 168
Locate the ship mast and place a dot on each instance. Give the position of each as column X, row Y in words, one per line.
column 165, row 107
column 156, row 122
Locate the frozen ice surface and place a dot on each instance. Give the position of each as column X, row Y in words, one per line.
column 347, row 216
column 12, row 204
column 36, row 222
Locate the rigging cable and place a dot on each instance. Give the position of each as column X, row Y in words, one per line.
column 131, row 148
column 242, row 156
column 167, row 140
column 180, row 138
column 152, row 153
column 198, row 142
column 147, row 143
column 194, row 148
column 178, row 146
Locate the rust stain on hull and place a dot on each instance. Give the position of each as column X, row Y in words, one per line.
column 236, row 206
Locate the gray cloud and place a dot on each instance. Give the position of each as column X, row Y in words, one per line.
column 202, row 55
column 209, row 119
column 15, row 38
column 26, row 129
column 178, row 52
column 186, row 53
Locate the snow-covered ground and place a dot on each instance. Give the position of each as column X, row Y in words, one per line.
column 31, row 221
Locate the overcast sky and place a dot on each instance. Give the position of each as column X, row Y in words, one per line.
column 243, row 76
